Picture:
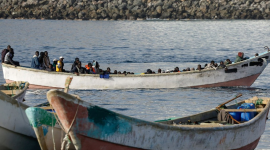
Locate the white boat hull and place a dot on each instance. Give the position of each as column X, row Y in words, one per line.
column 244, row 76
column 13, row 115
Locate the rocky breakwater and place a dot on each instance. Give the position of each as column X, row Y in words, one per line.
column 135, row 9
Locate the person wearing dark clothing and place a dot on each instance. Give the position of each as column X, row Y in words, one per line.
column 108, row 71
column 46, row 60
column 221, row 65
column 227, row 62
column 4, row 52
column 35, row 63
column 9, row 58
column 40, row 60
column 50, row 68
column 79, row 69
column 77, row 60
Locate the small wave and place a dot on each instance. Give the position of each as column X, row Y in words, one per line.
column 121, row 109
column 123, row 47
column 77, row 48
column 48, row 47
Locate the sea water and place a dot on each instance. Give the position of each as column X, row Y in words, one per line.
column 139, row 45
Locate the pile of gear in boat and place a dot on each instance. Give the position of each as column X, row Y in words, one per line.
column 223, row 117
column 42, row 61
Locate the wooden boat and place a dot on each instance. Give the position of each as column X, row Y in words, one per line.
column 47, row 129
column 243, row 73
column 13, row 121
column 95, row 128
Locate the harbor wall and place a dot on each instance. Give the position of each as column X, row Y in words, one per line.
column 134, row 9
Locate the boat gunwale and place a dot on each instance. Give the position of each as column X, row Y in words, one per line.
column 137, row 75
column 140, row 122
column 13, row 98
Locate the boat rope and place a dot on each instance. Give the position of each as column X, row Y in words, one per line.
column 53, row 135
column 66, row 141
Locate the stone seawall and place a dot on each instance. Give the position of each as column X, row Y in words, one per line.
column 134, row 9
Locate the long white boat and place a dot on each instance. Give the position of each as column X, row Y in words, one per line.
column 243, row 73
column 95, row 128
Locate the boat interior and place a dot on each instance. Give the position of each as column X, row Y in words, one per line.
column 13, row 88
column 238, row 111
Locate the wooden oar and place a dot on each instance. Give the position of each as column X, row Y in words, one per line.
column 218, row 108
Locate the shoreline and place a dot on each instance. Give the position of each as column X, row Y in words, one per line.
column 135, row 9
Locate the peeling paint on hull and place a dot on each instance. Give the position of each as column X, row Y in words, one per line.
column 96, row 133
column 245, row 75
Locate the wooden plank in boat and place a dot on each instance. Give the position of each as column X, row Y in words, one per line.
column 47, row 107
column 244, row 110
column 10, row 92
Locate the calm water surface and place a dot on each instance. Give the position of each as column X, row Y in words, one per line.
column 138, row 45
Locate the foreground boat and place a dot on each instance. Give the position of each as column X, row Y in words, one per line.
column 93, row 127
column 243, row 73
column 49, row 133
column 15, row 128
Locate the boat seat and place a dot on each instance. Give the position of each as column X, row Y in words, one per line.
column 244, row 110
column 10, row 92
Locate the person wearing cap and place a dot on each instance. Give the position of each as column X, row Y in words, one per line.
column 54, row 64
column 60, row 64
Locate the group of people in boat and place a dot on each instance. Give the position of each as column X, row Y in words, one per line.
column 41, row 61
column 212, row 64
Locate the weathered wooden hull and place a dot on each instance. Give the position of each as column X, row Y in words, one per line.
column 48, row 132
column 13, row 117
column 92, row 127
column 245, row 75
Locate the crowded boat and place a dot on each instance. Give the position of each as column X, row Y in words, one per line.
column 41, row 61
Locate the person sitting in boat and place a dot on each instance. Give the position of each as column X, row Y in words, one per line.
column 60, row 65
column 199, row 67
column 227, row 61
column 9, row 58
column 46, row 60
column 211, row 65
column 54, row 64
column 35, row 63
column 4, row 52
column 108, row 71
column 176, row 69
column 79, row 69
column 240, row 57
column 192, row 69
column 115, row 72
column 159, row 70
column 188, row 69
column 95, row 66
column 77, row 60
column 256, row 55
column 221, row 65
column 91, row 71
column 88, row 66
column 148, row 71
column 119, row 72
column 40, row 59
